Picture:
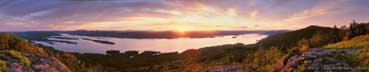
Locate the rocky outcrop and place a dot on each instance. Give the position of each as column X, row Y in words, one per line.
column 38, row 63
column 315, row 59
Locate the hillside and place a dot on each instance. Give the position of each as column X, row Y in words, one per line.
column 17, row 55
column 322, row 35
column 349, row 55
column 356, row 42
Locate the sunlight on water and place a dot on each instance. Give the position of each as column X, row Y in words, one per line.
column 162, row 45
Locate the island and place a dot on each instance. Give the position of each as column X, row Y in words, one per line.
column 66, row 38
column 99, row 41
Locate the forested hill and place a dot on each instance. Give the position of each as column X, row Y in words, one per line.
column 326, row 35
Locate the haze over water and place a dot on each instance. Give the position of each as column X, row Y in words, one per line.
column 162, row 45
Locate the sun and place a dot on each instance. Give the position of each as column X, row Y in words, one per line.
column 181, row 30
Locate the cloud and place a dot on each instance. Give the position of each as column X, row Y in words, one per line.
column 325, row 7
column 253, row 14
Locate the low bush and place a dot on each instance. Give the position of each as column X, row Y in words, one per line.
column 3, row 67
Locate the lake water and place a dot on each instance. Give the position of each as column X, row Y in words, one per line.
column 162, row 45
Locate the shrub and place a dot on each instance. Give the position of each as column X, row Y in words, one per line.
column 362, row 57
column 303, row 45
column 264, row 59
column 70, row 60
column 3, row 67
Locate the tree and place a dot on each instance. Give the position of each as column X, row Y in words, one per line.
column 316, row 39
column 357, row 29
column 345, row 35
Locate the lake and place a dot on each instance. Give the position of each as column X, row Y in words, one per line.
column 162, row 45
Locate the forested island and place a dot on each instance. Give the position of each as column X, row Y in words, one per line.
column 99, row 41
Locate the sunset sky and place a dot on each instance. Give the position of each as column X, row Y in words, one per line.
column 183, row 15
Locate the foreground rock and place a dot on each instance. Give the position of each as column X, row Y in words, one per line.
column 38, row 64
column 315, row 59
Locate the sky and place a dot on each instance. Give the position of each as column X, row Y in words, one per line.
column 179, row 15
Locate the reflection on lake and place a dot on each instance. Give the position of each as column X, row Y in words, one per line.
column 162, row 45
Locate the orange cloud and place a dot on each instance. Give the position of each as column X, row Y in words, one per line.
column 321, row 9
